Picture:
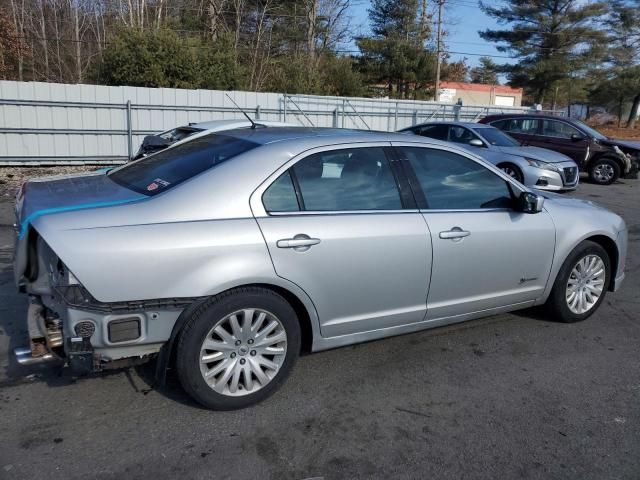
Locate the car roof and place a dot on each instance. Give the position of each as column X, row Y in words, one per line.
column 236, row 123
column 526, row 115
column 323, row 135
column 458, row 124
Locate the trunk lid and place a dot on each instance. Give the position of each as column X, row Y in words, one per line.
column 48, row 195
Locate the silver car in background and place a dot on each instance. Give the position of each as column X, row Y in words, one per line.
column 228, row 255
column 534, row 167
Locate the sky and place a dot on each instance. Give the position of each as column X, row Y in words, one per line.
column 462, row 19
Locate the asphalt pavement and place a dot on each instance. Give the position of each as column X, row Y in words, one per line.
column 507, row 397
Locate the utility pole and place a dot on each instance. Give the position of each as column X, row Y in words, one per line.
column 438, row 50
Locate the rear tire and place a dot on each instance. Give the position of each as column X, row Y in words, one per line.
column 581, row 284
column 513, row 171
column 604, row 171
column 224, row 358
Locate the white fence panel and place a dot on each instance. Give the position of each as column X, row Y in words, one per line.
column 48, row 123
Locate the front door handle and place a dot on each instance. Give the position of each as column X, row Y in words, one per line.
column 456, row 233
column 300, row 242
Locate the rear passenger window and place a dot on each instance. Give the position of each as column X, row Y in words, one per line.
column 281, row 196
column 553, row 128
column 438, row 132
column 527, row 126
column 452, row 182
column 350, row 179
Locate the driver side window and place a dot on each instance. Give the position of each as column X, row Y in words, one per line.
column 460, row 134
column 453, row 182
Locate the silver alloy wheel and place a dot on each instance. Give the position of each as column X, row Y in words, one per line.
column 604, row 172
column 512, row 172
column 243, row 352
column 585, row 284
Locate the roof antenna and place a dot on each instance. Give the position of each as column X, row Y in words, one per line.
column 253, row 124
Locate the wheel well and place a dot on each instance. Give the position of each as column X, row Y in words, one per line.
column 612, row 250
column 501, row 164
column 301, row 312
column 607, row 156
column 166, row 358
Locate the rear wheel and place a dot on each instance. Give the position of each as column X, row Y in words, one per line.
column 238, row 348
column 604, row 171
column 512, row 170
column 581, row 283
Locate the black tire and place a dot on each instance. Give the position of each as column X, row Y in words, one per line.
column 204, row 318
column 609, row 165
column 557, row 305
column 513, row 171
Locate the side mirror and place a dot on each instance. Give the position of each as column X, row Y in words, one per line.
column 530, row 202
column 576, row 137
column 476, row 143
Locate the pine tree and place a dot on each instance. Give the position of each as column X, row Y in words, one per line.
column 550, row 38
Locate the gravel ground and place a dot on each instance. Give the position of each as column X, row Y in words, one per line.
column 12, row 177
column 509, row 396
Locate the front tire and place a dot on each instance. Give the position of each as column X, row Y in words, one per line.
column 513, row 171
column 238, row 348
column 581, row 284
column 604, row 171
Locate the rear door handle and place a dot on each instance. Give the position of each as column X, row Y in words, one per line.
column 300, row 242
column 456, row 233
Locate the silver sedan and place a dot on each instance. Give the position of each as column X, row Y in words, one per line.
column 230, row 254
column 534, row 167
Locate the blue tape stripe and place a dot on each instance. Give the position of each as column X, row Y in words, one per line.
column 24, row 226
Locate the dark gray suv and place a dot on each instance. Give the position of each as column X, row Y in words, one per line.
column 604, row 158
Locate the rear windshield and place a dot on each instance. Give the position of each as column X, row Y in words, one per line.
column 166, row 169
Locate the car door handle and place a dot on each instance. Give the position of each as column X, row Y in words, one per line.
column 298, row 242
column 454, row 233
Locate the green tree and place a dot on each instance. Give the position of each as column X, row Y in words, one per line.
column 395, row 54
column 486, row 72
column 550, row 38
column 624, row 29
column 148, row 59
column 618, row 89
column 340, row 77
column 161, row 58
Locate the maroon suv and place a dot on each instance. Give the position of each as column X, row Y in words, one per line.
column 604, row 158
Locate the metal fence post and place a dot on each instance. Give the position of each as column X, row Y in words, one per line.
column 414, row 120
column 335, row 117
column 456, row 110
column 129, row 131
column 343, row 112
column 258, row 112
column 284, row 107
column 395, row 121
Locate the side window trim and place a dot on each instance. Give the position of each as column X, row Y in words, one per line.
column 402, row 183
column 296, row 188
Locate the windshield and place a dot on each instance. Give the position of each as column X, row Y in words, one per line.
column 497, row 137
column 591, row 131
column 164, row 170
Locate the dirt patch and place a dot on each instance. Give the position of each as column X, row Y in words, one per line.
column 12, row 177
column 623, row 133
